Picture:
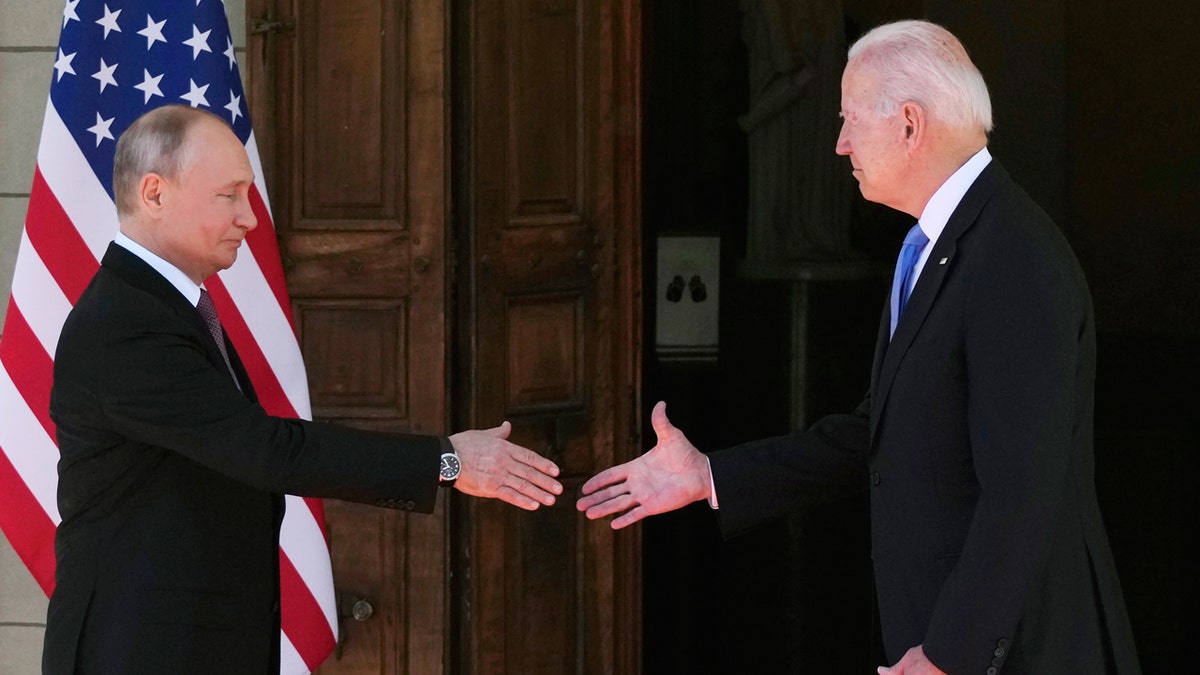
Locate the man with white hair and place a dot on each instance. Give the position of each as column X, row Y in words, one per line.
column 975, row 438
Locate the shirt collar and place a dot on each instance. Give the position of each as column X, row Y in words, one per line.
column 943, row 202
column 169, row 272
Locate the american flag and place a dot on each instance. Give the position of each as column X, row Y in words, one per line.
column 115, row 60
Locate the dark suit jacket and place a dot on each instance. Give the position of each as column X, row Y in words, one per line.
column 975, row 442
column 170, row 484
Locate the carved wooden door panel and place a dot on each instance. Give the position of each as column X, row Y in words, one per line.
column 546, row 199
column 350, row 104
column 353, row 109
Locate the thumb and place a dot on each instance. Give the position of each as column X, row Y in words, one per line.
column 658, row 420
column 500, row 432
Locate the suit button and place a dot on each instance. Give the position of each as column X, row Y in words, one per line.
column 391, row 503
column 999, row 652
column 1003, row 643
column 875, row 480
column 997, row 661
column 410, row 505
column 992, row 670
column 275, row 607
column 380, row 502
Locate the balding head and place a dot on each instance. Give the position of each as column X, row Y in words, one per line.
column 182, row 184
column 155, row 143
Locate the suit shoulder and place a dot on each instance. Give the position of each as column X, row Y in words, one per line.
column 1012, row 227
column 110, row 309
column 1018, row 252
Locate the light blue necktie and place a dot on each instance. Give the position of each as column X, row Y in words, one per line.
column 902, row 281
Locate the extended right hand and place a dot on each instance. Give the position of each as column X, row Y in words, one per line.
column 494, row 468
column 673, row 474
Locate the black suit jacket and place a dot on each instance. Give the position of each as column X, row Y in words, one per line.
column 170, row 487
column 975, row 442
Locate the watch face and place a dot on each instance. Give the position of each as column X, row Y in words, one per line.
column 450, row 467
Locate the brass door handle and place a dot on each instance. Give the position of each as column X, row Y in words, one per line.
column 350, row 606
column 354, row 607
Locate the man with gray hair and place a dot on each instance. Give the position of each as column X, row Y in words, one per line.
column 975, row 438
column 171, row 478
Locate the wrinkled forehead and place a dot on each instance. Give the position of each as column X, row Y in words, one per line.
column 859, row 87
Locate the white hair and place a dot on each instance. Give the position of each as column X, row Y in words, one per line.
column 922, row 62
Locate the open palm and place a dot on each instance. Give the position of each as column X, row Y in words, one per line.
column 671, row 475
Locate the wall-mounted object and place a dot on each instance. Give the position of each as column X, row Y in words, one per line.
column 688, row 289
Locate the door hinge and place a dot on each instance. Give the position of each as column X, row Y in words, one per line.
column 269, row 26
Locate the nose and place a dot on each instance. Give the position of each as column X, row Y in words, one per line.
column 245, row 217
column 843, row 142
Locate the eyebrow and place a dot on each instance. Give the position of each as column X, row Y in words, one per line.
column 235, row 184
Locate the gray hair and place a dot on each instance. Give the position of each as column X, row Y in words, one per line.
column 156, row 142
column 922, row 62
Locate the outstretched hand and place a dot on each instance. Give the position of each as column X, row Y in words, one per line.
column 673, row 474
column 492, row 467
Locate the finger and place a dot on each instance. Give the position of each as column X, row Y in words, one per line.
column 588, row 501
column 607, row 477
column 537, row 494
column 531, row 458
column 658, row 420
column 633, row 516
column 531, row 490
column 528, row 474
column 507, row 494
column 616, row 504
column 601, row 496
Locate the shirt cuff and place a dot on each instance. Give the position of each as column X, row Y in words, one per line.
column 712, row 486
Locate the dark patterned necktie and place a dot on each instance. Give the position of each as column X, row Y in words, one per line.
column 208, row 311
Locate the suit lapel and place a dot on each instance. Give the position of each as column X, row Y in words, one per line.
column 942, row 259
column 137, row 273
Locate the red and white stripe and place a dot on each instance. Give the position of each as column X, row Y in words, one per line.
column 70, row 222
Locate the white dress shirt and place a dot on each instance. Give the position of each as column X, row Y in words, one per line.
column 943, row 202
column 170, row 272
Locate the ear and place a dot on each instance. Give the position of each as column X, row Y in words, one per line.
column 151, row 191
column 915, row 124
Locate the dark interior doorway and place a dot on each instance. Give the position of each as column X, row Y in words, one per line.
column 795, row 596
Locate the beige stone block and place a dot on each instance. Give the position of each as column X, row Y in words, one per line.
column 30, row 23
column 21, row 650
column 235, row 10
column 12, row 219
column 24, row 600
column 36, row 23
column 24, row 90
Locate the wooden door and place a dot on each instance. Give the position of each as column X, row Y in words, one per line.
column 546, row 160
column 349, row 101
column 352, row 104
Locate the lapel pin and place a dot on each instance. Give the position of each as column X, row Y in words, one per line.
column 943, row 261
